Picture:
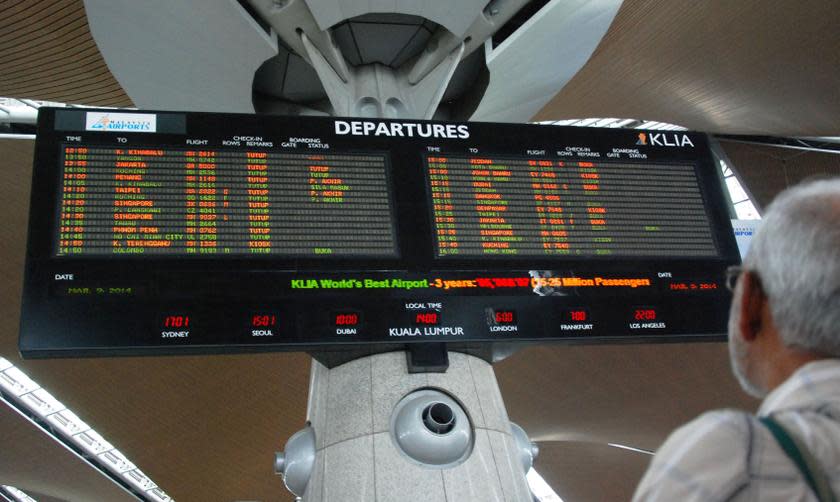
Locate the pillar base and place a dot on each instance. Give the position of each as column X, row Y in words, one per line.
column 350, row 409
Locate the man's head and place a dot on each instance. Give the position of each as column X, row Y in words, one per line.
column 786, row 307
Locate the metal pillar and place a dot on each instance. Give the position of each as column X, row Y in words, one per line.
column 362, row 451
column 398, row 426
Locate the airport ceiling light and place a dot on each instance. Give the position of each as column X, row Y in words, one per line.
column 825, row 139
column 744, row 207
column 630, row 448
column 540, row 489
column 24, row 394
column 616, row 123
column 12, row 493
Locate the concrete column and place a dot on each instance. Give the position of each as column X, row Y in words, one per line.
column 350, row 409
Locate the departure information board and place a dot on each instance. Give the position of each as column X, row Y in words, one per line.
column 122, row 201
column 155, row 232
column 544, row 207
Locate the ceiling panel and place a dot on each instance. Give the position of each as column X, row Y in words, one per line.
column 751, row 66
column 47, row 53
column 767, row 170
column 583, row 471
column 45, row 469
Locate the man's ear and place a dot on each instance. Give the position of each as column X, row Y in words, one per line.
column 752, row 303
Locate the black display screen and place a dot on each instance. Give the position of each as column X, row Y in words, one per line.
column 171, row 232
column 544, row 207
column 200, row 202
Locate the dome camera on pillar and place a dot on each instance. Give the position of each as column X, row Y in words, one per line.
column 432, row 429
column 528, row 450
column 295, row 462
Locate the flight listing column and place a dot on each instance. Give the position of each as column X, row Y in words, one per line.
column 208, row 214
column 232, row 202
column 259, row 217
column 488, row 180
column 270, row 202
column 141, row 215
column 325, row 189
column 445, row 226
column 191, row 220
column 636, row 208
column 331, row 204
column 72, row 231
column 481, row 205
column 580, row 189
column 546, row 185
column 200, row 218
column 126, row 216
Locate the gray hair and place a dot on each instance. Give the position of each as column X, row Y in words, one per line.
column 796, row 253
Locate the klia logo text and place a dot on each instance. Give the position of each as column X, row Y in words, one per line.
column 664, row 139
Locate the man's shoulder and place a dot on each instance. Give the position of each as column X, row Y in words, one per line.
column 711, row 434
column 717, row 422
column 702, row 459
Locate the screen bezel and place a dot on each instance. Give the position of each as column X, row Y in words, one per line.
column 233, row 256
column 410, row 197
column 46, row 324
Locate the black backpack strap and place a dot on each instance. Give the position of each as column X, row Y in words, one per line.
column 804, row 461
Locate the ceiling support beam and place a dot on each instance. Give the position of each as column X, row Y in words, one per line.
column 376, row 90
column 806, row 144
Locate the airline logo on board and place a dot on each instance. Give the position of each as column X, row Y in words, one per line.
column 664, row 139
column 127, row 122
